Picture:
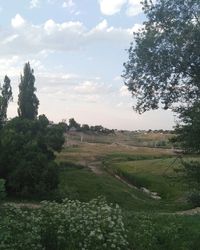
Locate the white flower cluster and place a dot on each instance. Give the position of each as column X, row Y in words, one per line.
column 93, row 225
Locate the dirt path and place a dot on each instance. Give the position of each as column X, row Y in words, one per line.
column 192, row 211
column 95, row 167
column 22, row 205
column 153, row 195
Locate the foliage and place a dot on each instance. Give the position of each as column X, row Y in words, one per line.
column 73, row 123
column 163, row 65
column 27, row 156
column 27, row 100
column 151, row 236
column 71, row 225
column 5, row 97
column 19, row 230
column 189, row 128
column 190, row 171
column 163, row 231
column 194, row 198
column 2, row 189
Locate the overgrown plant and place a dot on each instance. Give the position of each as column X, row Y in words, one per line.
column 71, row 225
column 191, row 173
column 2, row 189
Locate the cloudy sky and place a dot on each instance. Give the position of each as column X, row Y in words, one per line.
column 77, row 49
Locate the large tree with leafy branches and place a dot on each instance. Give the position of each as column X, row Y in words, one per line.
column 164, row 60
column 164, row 70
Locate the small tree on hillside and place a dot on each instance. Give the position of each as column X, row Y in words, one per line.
column 28, row 101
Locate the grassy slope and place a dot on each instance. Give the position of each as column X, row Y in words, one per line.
column 84, row 185
column 158, row 175
column 147, row 220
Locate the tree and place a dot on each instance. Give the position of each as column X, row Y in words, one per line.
column 27, row 158
column 6, row 96
column 164, row 68
column 164, row 62
column 73, row 123
column 28, row 101
column 85, row 128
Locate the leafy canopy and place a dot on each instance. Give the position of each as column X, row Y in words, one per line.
column 164, row 62
column 27, row 159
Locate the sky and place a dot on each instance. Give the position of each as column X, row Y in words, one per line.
column 77, row 49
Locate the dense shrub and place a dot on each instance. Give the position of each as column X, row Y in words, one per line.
column 70, row 225
column 19, row 230
column 194, row 198
column 190, row 171
column 154, row 233
column 27, row 156
column 2, row 189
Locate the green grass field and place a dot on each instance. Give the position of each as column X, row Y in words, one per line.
column 84, row 185
column 158, row 175
column 151, row 224
column 141, row 166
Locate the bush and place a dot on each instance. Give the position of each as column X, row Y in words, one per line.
column 154, row 233
column 71, row 225
column 27, row 156
column 191, row 173
column 19, row 230
column 194, row 198
column 2, row 189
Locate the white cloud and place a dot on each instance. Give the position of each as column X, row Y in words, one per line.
column 71, row 7
column 53, row 36
column 10, row 39
column 109, row 34
column 50, row 26
column 111, row 7
column 68, row 4
column 34, row 3
column 69, row 76
column 124, row 91
column 102, row 25
column 87, row 87
column 17, row 21
column 134, row 7
column 9, row 63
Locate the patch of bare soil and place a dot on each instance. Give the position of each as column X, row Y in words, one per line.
column 193, row 211
column 22, row 205
column 153, row 195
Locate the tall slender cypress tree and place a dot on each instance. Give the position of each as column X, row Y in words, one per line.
column 6, row 96
column 27, row 100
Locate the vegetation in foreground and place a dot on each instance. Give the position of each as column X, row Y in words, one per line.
column 70, row 225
